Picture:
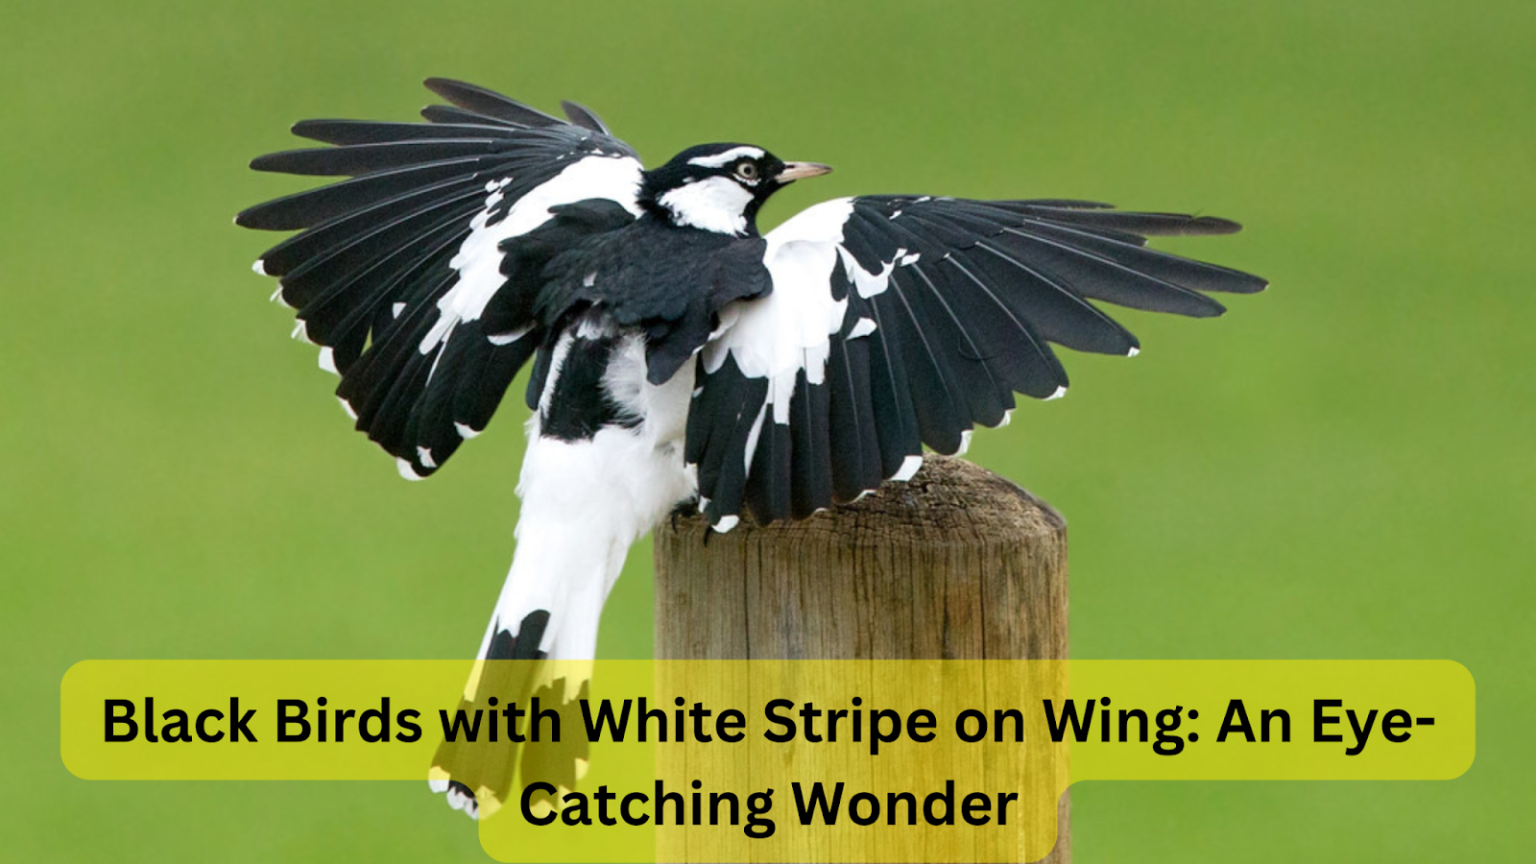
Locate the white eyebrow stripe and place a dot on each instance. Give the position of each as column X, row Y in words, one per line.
column 728, row 156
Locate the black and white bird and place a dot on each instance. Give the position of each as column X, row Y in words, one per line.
column 678, row 355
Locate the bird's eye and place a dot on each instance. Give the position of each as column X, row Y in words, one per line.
column 747, row 170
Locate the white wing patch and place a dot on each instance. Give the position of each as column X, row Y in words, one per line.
column 871, row 284
column 822, row 223
column 791, row 330
column 407, row 470
column 479, row 257
column 908, row 469
column 509, row 338
column 770, row 336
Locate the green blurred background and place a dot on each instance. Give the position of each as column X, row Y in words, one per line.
column 1340, row 468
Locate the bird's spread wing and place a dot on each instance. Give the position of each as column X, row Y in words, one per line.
column 895, row 322
column 399, row 271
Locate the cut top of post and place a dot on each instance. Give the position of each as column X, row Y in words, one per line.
column 957, row 563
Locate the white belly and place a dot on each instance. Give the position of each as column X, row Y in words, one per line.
column 585, row 502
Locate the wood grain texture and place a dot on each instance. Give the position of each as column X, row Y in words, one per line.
column 958, row 563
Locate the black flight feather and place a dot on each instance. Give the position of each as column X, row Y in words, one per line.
column 356, row 159
column 489, row 103
column 583, row 116
column 309, row 208
column 352, row 132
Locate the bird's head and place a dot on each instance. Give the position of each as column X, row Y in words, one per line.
column 720, row 187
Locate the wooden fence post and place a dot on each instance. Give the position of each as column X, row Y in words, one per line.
column 957, row 564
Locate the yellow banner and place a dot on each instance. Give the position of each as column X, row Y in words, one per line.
column 727, row 761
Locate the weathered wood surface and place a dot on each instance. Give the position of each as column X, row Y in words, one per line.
column 956, row 564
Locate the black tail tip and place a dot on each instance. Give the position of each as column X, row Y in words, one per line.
column 460, row 797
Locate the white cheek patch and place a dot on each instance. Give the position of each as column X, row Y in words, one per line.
column 716, row 204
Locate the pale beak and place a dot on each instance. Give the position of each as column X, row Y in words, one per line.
column 802, row 170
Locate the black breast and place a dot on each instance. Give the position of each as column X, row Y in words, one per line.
column 668, row 282
column 648, row 277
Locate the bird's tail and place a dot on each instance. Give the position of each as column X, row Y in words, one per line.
column 571, row 545
column 546, row 618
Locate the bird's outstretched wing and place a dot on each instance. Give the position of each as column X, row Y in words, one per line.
column 399, row 272
column 897, row 322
